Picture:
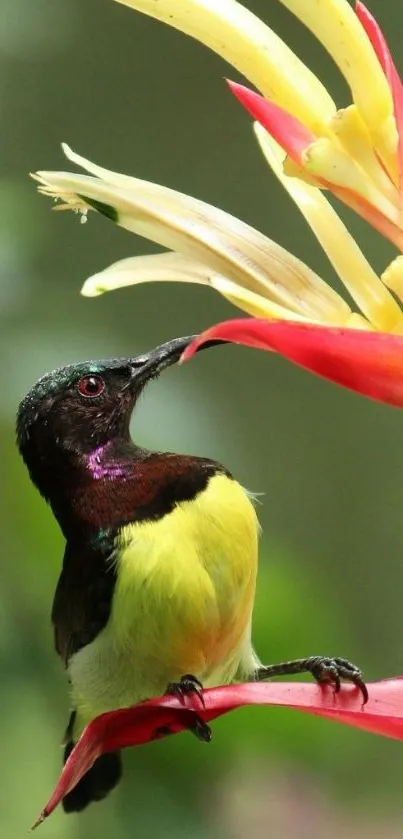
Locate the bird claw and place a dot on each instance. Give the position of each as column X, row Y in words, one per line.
column 187, row 684
column 201, row 730
column 330, row 671
column 326, row 670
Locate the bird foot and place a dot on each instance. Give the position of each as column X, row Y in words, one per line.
column 190, row 685
column 187, row 685
column 326, row 671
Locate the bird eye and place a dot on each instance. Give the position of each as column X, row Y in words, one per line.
column 91, row 386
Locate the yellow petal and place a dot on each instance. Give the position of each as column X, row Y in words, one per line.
column 350, row 129
column 251, row 47
column 203, row 233
column 327, row 162
column 349, row 262
column 337, row 27
column 157, row 267
column 357, row 321
column 393, row 276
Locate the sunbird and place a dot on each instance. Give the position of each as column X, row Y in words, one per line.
column 158, row 580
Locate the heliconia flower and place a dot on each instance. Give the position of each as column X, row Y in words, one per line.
column 253, row 272
column 156, row 718
column 357, row 153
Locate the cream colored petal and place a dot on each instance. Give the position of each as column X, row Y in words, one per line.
column 254, row 304
column 349, row 262
column 251, row 47
column 173, row 267
column 110, row 177
column 208, row 235
column 158, row 267
column 337, row 27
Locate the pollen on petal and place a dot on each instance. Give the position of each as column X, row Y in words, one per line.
column 104, row 209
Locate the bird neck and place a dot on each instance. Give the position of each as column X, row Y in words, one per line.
column 118, row 483
column 72, row 481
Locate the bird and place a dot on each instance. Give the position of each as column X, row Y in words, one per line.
column 158, row 580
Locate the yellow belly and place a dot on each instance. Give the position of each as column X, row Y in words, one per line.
column 182, row 603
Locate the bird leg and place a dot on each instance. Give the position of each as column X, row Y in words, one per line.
column 326, row 671
column 186, row 686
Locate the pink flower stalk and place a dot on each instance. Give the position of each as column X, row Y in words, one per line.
column 156, row 718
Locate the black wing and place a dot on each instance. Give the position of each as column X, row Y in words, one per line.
column 83, row 596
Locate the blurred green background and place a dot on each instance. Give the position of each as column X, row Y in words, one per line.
column 142, row 99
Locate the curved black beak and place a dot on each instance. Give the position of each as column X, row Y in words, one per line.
column 151, row 364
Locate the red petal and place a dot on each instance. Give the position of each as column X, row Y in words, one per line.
column 291, row 135
column 115, row 730
column 370, row 363
column 383, row 714
column 385, row 59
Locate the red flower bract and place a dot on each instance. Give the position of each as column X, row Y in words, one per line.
column 285, row 128
column 370, row 363
column 383, row 714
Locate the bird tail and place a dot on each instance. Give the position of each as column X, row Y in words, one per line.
column 97, row 783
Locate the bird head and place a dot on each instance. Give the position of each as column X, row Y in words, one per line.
column 74, row 410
